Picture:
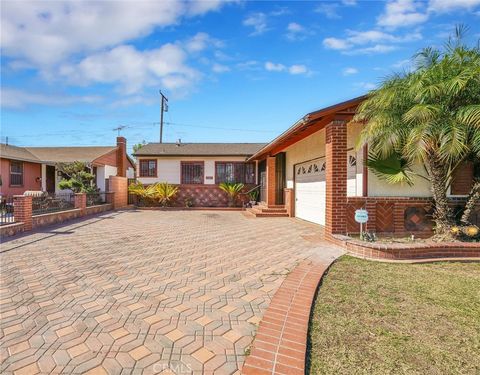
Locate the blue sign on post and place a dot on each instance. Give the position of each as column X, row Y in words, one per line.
column 361, row 216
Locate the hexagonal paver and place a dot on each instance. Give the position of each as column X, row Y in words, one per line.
column 144, row 291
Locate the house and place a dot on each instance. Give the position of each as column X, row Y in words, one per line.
column 198, row 168
column 33, row 168
column 315, row 172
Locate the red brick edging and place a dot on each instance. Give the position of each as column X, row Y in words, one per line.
column 279, row 346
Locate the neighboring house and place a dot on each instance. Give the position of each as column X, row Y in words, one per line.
column 33, row 168
column 198, row 168
column 315, row 170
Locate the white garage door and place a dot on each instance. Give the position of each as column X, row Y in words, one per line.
column 310, row 191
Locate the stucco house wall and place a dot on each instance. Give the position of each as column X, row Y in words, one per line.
column 32, row 174
column 169, row 168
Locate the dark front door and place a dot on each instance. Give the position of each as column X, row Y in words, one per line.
column 50, row 175
column 280, row 177
column 263, row 186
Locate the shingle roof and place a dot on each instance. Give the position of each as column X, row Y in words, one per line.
column 54, row 154
column 199, row 149
column 17, row 153
column 70, row 154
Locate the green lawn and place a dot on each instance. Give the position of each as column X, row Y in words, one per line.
column 384, row 318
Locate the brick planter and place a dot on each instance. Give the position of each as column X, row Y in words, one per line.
column 398, row 251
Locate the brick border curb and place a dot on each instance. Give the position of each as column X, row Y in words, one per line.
column 280, row 344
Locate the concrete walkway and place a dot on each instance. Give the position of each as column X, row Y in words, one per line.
column 145, row 291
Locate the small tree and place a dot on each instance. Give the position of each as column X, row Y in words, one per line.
column 77, row 179
column 232, row 190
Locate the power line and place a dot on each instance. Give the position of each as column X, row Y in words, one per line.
column 219, row 128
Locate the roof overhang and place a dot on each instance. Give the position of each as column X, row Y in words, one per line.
column 307, row 125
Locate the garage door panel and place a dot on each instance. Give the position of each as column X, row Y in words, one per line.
column 310, row 191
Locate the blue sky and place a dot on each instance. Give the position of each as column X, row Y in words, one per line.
column 237, row 71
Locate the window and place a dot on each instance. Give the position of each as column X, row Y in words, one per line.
column 148, row 168
column 235, row 172
column 16, row 173
column 192, row 172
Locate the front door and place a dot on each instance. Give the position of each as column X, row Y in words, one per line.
column 263, row 186
column 50, row 175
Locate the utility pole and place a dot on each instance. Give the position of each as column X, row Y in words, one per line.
column 163, row 108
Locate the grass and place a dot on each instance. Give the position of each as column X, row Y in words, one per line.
column 384, row 318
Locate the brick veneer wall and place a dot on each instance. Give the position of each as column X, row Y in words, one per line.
column 22, row 208
column 289, row 199
column 336, row 177
column 398, row 215
column 201, row 196
column 80, row 200
column 119, row 186
column 55, row 217
column 271, row 181
column 413, row 251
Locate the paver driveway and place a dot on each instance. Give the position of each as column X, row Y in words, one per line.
column 144, row 291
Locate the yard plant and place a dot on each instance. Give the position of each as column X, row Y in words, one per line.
column 233, row 190
column 429, row 117
column 162, row 193
column 76, row 177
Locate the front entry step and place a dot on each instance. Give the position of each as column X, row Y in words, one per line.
column 262, row 210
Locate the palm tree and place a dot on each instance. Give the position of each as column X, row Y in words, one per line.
column 428, row 117
column 232, row 190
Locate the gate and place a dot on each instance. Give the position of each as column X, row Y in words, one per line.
column 132, row 199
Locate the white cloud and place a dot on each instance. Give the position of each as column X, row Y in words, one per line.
column 133, row 69
column 349, row 2
column 377, row 48
column 293, row 69
column 15, row 98
column 46, row 33
column 444, row 6
column 329, row 10
column 336, row 43
column 402, row 13
column 298, row 69
column 366, row 85
column 219, row 68
column 295, row 31
column 376, row 41
column 201, row 41
column 349, row 71
column 272, row 67
column 258, row 21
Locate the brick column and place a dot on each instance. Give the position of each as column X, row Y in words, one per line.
column 336, row 174
column 22, row 210
column 289, row 200
column 398, row 217
column 371, row 207
column 119, row 186
column 271, row 181
column 81, row 202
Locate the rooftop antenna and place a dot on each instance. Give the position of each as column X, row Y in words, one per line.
column 119, row 129
column 163, row 108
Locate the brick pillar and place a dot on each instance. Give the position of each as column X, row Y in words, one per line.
column 336, row 175
column 22, row 210
column 119, row 186
column 371, row 207
column 121, row 156
column 289, row 200
column 81, row 202
column 398, row 217
column 271, row 181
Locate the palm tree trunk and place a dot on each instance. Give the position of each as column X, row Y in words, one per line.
column 443, row 213
column 472, row 201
